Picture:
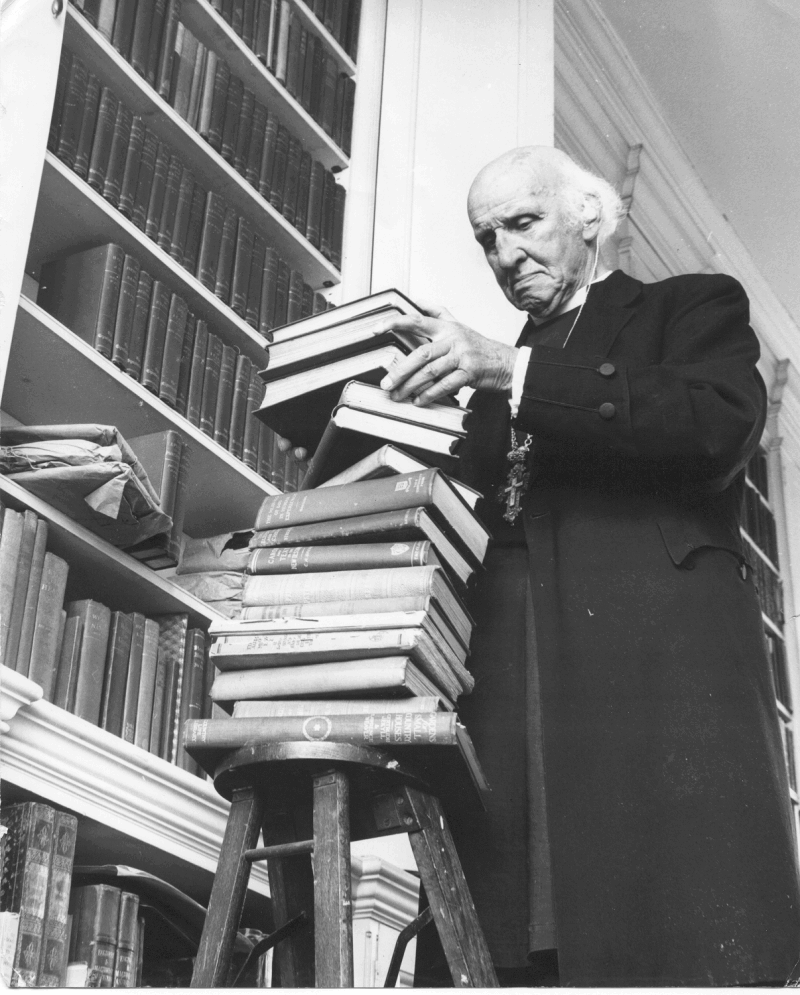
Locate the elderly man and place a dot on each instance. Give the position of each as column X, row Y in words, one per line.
column 641, row 831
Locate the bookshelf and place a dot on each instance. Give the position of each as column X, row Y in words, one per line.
column 135, row 808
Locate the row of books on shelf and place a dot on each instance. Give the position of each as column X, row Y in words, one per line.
column 105, row 144
column 92, row 926
column 151, row 36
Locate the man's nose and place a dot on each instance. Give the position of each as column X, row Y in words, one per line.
column 509, row 249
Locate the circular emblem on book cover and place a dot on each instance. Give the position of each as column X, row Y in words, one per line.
column 399, row 547
column 316, row 728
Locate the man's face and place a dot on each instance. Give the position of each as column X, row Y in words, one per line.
column 538, row 258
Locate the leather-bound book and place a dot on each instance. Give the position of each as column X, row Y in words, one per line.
column 303, row 187
column 351, row 29
column 28, row 627
column 138, row 336
column 208, row 403
column 338, row 109
column 19, row 587
column 308, row 70
column 64, row 64
column 192, row 693
column 68, row 660
column 116, row 673
column 55, row 937
column 72, row 112
column 268, row 158
column 172, row 647
column 91, row 661
column 140, row 40
column 95, row 920
column 242, row 262
column 255, row 147
column 160, row 455
column 282, row 293
column 210, row 240
column 183, row 210
column 196, row 87
column 292, row 179
column 243, row 132
column 295, row 298
column 317, row 78
column 222, row 414
column 173, row 350
column 207, row 95
column 147, row 682
column 156, row 336
column 219, row 100
column 133, row 678
column 307, row 306
column 237, row 16
column 130, row 171
column 261, row 45
column 197, row 372
column 159, row 8
column 127, row 935
column 282, row 40
column 328, row 101
column 126, row 308
column 293, row 81
column 315, row 191
column 255, row 280
column 275, row 460
column 163, row 81
column 185, row 373
column 118, row 155
column 230, row 121
column 347, row 114
column 158, row 187
column 122, row 35
column 337, row 233
column 227, row 250
column 328, row 202
column 144, row 180
column 249, row 22
column 91, row 106
column 255, row 395
column 169, row 206
column 103, row 137
column 241, row 386
column 82, row 291
column 184, row 76
column 279, row 168
column 194, row 229
column 269, row 281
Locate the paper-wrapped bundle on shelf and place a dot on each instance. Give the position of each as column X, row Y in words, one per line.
column 90, row 473
column 212, row 569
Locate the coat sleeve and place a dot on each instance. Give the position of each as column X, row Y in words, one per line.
column 702, row 407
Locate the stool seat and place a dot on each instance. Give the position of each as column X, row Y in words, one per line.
column 320, row 796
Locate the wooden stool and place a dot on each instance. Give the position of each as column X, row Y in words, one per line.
column 313, row 798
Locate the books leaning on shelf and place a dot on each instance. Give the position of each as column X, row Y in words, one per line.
column 106, row 939
column 38, row 858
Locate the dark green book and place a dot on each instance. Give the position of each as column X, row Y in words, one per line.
column 315, row 190
column 64, row 65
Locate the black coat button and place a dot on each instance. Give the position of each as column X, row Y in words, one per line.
column 607, row 410
column 607, row 370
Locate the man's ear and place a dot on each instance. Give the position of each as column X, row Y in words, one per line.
column 591, row 217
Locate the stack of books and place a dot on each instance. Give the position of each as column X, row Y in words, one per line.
column 353, row 627
column 107, row 938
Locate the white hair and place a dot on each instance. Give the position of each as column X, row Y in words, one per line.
column 581, row 186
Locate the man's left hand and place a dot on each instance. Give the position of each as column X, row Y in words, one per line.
column 455, row 357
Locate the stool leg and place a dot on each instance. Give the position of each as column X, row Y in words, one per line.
column 228, row 891
column 333, row 912
column 291, row 886
column 453, row 910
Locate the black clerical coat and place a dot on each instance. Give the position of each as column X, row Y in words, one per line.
column 669, row 825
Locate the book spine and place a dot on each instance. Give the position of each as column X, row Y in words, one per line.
column 122, row 34
column 243, row 259
column 279, row 168
column 222, row 414
column 64, row 66
column 248, row 22
column 91, row 105
column 267, row 162
column 156, row 336
column 179, row 509
column 364, row 606
column 328, row 198
column 183, row 209
column 292, row 180
column 103, row 138
column 303, row 190
column 173, row 350
column 196, row 89
column 338, row 109
column 295, row 60
column 237, row 16
column 255, row 281
column 23, row 658
column 126, row 309
column 72, row 112
column 373, row 729
column 103, row 340
column 244, row 134
column 262, row 32
column 282, row 41
column 157, row 191
column 315, row 190
column 207, row 97
column 55, row 942
column 147, row 682
column 91, row 665
column 185, row 373
column 218, row 104
column 130, row 172
column 227, row 250
column 195, row 395
column 194, row 229
column 307, row 307
column 308, row 70
column 269, row 284
column 45, row 645
column 154, row 41
column 116, row 673
column 294, row 309
column 328, row 101
column 169, row 206
column 117, row 155
column 241, row 384
column 255, row 147
column 138, row 335
column 140, row 42
column 211, row 239
column 339, row 585
column 192, row 694
column 363, row 556
column 255, row 395
column 69, row 657
column 95, row 932
column 172, row 644
column 347, row 115
column 208, row 404
column 21, row 580
column 277, row 460
column 325, row 706
column 317, row 78
column 133, row 678
column 163, row 80
column 230, row 123
column 144, row 180
column 127, row 935
column 337, row 234
column 282, row 293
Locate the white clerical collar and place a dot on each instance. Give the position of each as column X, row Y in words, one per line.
column 577, row 299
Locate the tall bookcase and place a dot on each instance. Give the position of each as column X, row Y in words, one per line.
column 135, row 808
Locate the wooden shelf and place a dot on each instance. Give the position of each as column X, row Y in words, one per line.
column 55, row 377
column 213, row 31
column 99, row 570
column 312, row 23
column 71, row 216
column 145, row 812
column 209, row 168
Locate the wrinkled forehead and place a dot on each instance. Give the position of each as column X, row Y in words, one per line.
column 501, row 187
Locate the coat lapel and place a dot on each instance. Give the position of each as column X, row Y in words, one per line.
column 609, row 307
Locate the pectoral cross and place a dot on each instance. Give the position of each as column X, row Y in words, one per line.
column 517, row 482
